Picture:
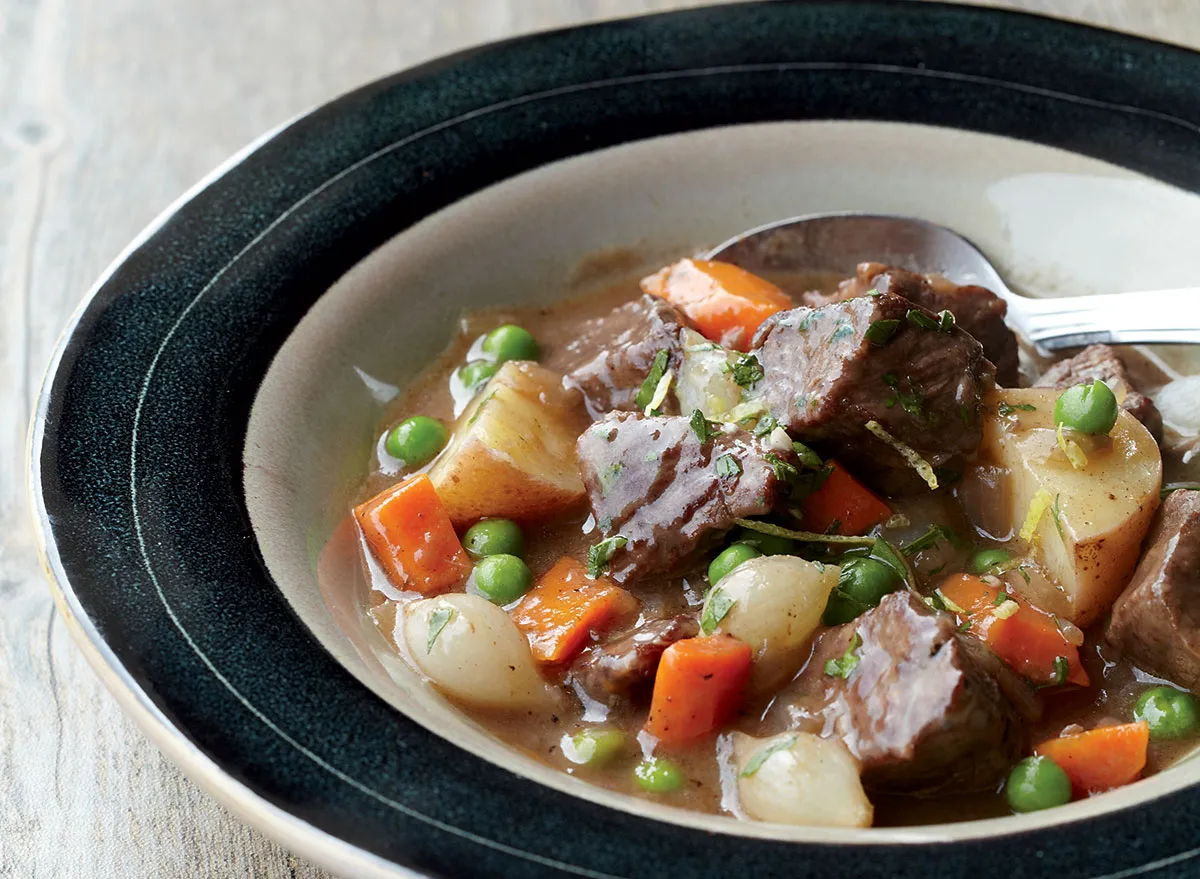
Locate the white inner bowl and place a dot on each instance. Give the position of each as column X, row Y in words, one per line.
column 1053, row 222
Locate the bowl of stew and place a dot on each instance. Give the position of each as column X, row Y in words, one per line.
column 467, row 520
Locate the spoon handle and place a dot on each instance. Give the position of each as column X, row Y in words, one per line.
column 1149, row 316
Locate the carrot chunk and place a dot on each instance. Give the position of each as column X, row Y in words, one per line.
column 726, row 303
column 698, row 686
column 410, row 535
column 1028, row 640
column 1102, row 758
column 843, row 501
column 559, row 613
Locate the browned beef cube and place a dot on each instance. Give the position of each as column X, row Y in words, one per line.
column 1156, row 621
column 655, row 483
column 830, row 370
column 920, row 710
column 1101, row 363
column 614, row 354
column 977, row 310
column 609, row 672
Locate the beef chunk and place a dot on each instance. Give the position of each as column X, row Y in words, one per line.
column 655, row 483
column 613, row 355
column 976, row 309
column 1100, row 362
column 607, row 673
column 830, row 370
column 1156, row 621
column 920, row 711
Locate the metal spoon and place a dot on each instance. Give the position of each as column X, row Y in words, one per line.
column 838, row 242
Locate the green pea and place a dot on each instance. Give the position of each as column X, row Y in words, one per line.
column 658, row 776
column 986, row 561
column 476, row 372
column 1170, row 713
column 1037, row 783
column 510, row 342
column 730, row 558
column 416, row 440
column 502, row 578
column 767, row 544
column 861, row 586
column 1087, row 408
column 494, row 537
column 594, row 747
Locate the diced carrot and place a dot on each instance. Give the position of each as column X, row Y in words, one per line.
column 842, row 500
column 410, row 535
column 698, row 686
column 1102, row 758
column 726, row 303
column 1029, row 640
column 559, row 613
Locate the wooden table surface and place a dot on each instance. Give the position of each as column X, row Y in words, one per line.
column 108, row 111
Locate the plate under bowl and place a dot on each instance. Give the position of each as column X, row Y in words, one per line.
column 138, row 442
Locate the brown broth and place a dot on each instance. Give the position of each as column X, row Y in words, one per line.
column 1114, row 688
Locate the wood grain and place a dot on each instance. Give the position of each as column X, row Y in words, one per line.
column 108, row 110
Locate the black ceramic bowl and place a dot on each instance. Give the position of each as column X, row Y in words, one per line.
column 202, row 424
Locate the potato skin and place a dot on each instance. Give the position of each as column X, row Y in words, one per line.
column 512, row 453
column 1087, row 544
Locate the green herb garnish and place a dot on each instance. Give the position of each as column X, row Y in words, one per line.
column 716, row 608
column 921, row 320
column 765, row 425
column 1054, row 512
column 727, row 465
column 784, row 471
column 1177, row 486
column 929, row 539
column 844, row 666
column 437, row 621
column 600, row 554
column 880, row 332
column 807, row 456
column 703, row 428
column 1007, row 409
column 945, row 321
column 747, row 370
column 842, row 330
column 764, row 754
column 658, row 369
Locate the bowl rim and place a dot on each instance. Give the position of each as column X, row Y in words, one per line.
column 295, row 832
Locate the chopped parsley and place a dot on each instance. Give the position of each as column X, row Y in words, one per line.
column 609, row 476
column 727, row 465
column 764, row 754
column 841, row 331
column 437, row 621
column 652, row 457
column 1056, row 514
column 765, row 425
column 921, row 320
column 599, row 555
column 880, row 332
column 844, row 666
column 658, row 369
column 911, row 401
column 873, row 292
column 808, row 320
column 1001, row 597
column 1007, row 409
column 479, row 409
column 1177, row 486
column 945, row 321
column 930, row 539
column 716, row 608
column 1061, row 670
column 784, row 471
column 747, row 370
column 702, row 427
column 807, row 456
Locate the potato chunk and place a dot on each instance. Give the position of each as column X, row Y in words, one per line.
column 512, row 453
column 1093, row 518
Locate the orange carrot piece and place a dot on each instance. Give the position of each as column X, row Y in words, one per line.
column 410, row 535
column 844, row 500
column 698, row 686
column 1029, row 640
column 726, row 303
column 1102, row 758
column 559, row 613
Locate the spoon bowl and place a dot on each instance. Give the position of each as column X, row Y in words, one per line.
column 840, row 241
